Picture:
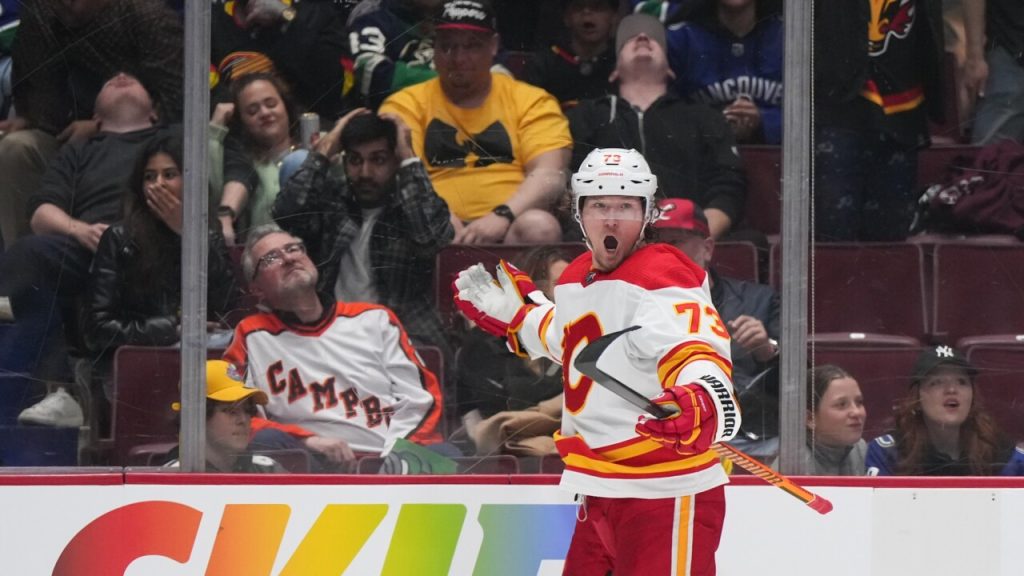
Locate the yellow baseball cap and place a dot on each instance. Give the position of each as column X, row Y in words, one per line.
column 224, row 384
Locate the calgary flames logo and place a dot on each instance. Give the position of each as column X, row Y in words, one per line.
column 889, row 19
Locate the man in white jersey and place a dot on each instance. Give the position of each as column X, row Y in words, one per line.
column 330, row 369
column 653, row 495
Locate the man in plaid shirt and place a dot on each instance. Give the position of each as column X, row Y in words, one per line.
column 374, row 234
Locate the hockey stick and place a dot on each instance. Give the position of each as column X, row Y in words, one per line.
column 586, row 363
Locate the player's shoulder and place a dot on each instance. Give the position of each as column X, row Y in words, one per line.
column 651, row 267
column 657, row 266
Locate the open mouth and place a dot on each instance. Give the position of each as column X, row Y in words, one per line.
column 611, row 243
column 951, row 404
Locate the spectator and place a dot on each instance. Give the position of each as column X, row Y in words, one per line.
column 729, row 55
column 497, row 150
column 230, row 410
column 375, row 234
column 580, row 66
column 302, row 42
column 338, row 370
column 62, row 55
column 78, row 198
column 835, row 424
column 878, row 76
column 750, row 312
column 392, row 46
column 995, row 74
column 134, row 292
column 248, row 139
column 941, row 427
column 689, row 148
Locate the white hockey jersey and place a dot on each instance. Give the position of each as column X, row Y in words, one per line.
column 353, row 375
column 682, row 340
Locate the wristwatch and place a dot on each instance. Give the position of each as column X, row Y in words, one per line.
column 223, row 211
column 288, row 14
column 505, row 212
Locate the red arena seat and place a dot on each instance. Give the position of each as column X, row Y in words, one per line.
column 737, row 260
column 1000, row 381
column 977, row 289
column 874, row 288
column 763, row 168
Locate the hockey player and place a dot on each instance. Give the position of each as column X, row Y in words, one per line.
column 652, row 491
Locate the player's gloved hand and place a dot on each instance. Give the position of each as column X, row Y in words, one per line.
column 492, row 305
column 691, row 428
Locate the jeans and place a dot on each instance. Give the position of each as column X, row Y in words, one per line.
column 1000, row 114
column 863, row 186
column 41, row 275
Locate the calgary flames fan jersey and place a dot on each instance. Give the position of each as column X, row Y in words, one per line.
column 681, row 340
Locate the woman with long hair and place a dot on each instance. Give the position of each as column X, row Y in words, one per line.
column 940, row 427
column 835, row 424
column 248, row 139
column 134, row 294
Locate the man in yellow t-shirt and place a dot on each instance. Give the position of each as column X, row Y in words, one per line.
column 497, row 150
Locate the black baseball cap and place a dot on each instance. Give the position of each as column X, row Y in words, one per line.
column 472, row 15
column 935, row 356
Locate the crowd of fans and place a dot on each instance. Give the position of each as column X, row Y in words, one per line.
column 435, row 132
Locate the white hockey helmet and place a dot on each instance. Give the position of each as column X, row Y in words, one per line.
column 614, row 172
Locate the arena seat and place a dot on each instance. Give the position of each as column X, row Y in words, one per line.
column 874, row 288
column 145, row 385
column 883, row 370
column 977, row 289
column 763, row 168
column 454, row 258
column 737, row 260
column 1000, row 381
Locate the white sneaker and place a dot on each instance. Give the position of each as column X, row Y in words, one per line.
column 57, row 409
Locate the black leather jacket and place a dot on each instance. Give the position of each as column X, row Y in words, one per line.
column 115, row 316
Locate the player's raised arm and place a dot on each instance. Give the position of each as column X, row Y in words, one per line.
column 511, row 307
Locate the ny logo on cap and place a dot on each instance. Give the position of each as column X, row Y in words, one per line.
column 944, row 351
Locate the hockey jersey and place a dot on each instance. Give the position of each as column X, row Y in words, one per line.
column 390, row 48
column 714, row 67
column 682, row 340
column 352, row 375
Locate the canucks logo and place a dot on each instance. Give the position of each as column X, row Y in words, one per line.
column 889, row 19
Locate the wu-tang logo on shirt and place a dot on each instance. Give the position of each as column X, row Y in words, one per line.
column 444, row 148
column 889, row 19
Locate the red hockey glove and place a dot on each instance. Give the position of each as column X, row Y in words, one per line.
column 691, row 429
column 496, row 306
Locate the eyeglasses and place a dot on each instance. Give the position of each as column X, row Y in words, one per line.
column 275, row 257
